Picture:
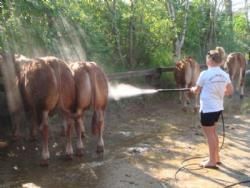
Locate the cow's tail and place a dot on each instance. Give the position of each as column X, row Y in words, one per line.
column 97, row 123
column 240, row 77
column 98, row 116
column 70, row 114
column 241, row 61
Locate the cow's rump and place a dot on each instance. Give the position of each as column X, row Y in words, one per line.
column 236, row 66
column 186, row 73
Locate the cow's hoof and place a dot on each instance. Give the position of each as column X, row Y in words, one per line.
column 69, row 157
column 83, row 135
column 63, row 133
column 196, row 110
column 44, row 163
column 184, row 109
column 16, row 137
column 3, row 144
column 241, row 96
column 79, row 152
column 100, row 149
column 32, row 138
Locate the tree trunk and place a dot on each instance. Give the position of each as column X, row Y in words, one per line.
column 179, row 39
column 131, row 57
column 115, row 29
column 247, row 15
column 211, row 31
column 229, row 14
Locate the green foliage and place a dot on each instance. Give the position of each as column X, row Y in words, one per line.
column 162, row 58
column 93, row 30
column 242, row 35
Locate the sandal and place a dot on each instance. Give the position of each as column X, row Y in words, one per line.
column 209, row 166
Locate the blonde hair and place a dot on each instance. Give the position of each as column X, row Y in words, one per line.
column 222, row 52
column 218, row 55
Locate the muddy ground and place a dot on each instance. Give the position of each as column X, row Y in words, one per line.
column 148, row 141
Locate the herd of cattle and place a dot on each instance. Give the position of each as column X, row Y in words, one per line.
column 45, row 85
column 48, row 84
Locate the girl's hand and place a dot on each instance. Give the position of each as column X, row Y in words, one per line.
column 192, row 89
column 196, row 89
column 229, row 90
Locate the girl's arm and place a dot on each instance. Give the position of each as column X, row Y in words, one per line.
column 229, row 89
column 196, row 89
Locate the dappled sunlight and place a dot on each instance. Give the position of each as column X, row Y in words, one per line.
column 152, row 146
column 247, row 120
column 69, row 43
column 178, row 143
column 30, row 185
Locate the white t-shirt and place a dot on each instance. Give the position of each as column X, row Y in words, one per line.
column 213, row 82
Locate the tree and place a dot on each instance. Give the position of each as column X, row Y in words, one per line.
column 180, row 23
column 229, row 18
column 115, row 30
column 247, row 15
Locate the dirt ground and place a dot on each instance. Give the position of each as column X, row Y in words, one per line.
column 149, row 143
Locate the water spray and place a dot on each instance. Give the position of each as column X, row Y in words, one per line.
column 119, row 91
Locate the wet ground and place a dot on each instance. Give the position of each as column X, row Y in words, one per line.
column 149, row 143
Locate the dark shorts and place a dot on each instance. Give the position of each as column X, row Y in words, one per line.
column 210, row 118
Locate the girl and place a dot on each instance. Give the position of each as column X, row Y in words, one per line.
column 212, row 85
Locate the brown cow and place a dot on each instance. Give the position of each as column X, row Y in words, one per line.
column 186, row 73
column 92, row 90
column 39, row 89
column 67, row 98
column 236, row 66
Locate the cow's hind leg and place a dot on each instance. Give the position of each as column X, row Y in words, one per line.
column 242, row 88
column 241, row 92
column 98, row 128
column 69, row 148
column 186, row 100
column 180, row 94
column 80, row 131
column 33, row 128
column 44, row 127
